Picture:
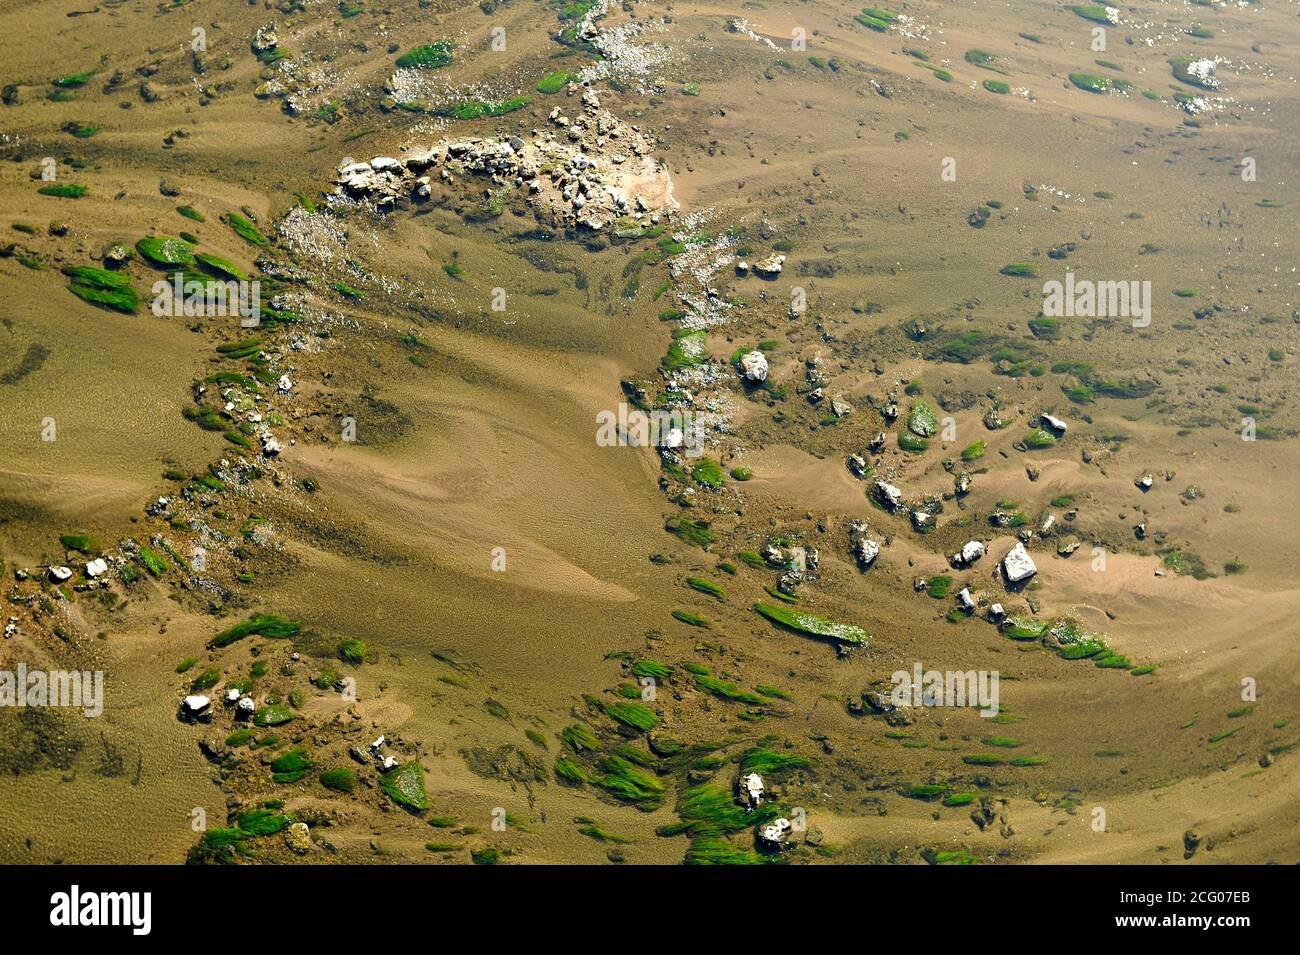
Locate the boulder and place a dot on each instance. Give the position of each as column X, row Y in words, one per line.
column 754, row 365
column 889, row 495
column 298, row 837
column 1017, row 565
column 196, row 707
column 60, row 574
column 1053, row 422
column 775, row 834
column 751, row 790
column 771, row 265
column 97, row 567
column 970, row 552
column 866, row 551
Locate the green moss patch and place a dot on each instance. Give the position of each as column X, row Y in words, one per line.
column 811, row 625
column 265, row 625
column 100, row 287
column 430, row 56
column 404, row 785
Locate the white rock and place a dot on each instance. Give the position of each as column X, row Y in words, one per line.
column 890, row 495
column 1053, row 422
column 996, row 612
column 751, row 790
column 389, row 762
column 1018, row 565
column 1145, row 482
column 771, row 265
column 970, row 552
column 60, row 574
column 195, row 706
column 965, row 600
column 97, row 567
column 774, row 835
column 866, row 551
column 754, row 364
column 374, row 747
column 232, row 695
column 284, row 385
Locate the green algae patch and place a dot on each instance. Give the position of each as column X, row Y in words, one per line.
column 635, row 715
column 153, row 561
column 708, row 472
column 1093, row 12
column 627, row 781
column 1020, row 270
column 1038, row 439
column 430, row 56
column 922, row 421
column 221, row 266
column 274, row 714
column 811, row 625
column 63, row 190
column 767, row 762
column 291, row 766
column 726, row 690
column 100, row 287
column 691, row 619
column 554, row 82
column 1090, row 83
column 1024, row 628
column 924, row 791
column 876, row 18
column 650, row 668
column 404, row 785
column 706, row 587
column 578, row 738
column 1082, row 650
column 244, row 228
column 165, row 252
column 687, row 349
column 263, row 625
column 476, row 109
column 947, row 857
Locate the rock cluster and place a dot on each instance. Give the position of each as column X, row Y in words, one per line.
column 591, row 170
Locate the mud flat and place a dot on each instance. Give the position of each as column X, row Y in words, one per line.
column 386, row 511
